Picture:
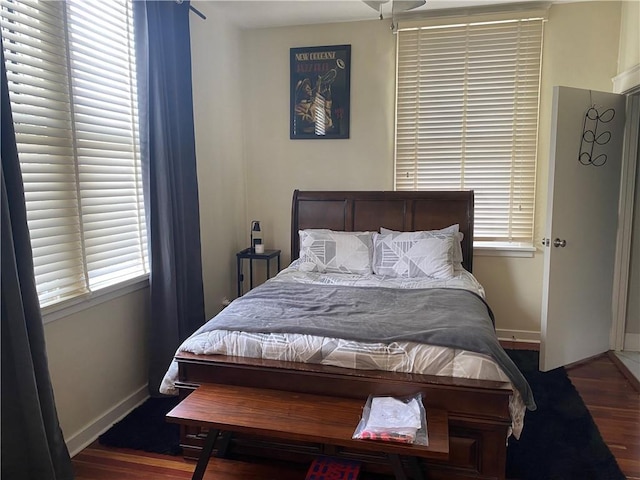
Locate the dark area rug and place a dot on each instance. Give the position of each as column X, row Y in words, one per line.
column 560, row 441
column 145, row 429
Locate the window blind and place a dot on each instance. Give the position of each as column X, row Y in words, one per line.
column 467, row 118
column 72, row 84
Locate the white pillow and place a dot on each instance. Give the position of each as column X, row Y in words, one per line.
column 457, row 246
column 324, row 251
column 414, row 254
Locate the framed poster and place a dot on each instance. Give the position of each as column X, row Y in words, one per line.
column 320, row 83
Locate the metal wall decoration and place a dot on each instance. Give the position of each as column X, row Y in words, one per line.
column 590, row 136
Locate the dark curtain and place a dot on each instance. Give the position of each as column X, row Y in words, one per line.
column 167, row 145
column 33, row 447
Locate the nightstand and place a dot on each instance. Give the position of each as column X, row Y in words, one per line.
column 267, row 256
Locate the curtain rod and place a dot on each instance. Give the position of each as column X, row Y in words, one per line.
column 193, row 9
column 197, row 12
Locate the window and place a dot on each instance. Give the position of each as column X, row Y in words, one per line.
column 72, row 84
column 467, row 118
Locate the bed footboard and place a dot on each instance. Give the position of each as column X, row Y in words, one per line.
column 478, row 411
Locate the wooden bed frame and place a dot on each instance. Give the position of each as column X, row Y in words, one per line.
column 478, row 410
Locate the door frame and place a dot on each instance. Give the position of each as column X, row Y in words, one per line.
column 626, row 207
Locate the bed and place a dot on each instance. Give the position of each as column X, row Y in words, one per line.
column 357, row 333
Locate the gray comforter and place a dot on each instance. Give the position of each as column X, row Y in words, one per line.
column 445, row 317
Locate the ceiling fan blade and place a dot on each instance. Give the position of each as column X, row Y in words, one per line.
column 406, row 5
column 375, row 4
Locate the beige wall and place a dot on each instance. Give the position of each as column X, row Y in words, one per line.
column 97, row 359
column 277, row 165
column 629, row 54
column 219, row 127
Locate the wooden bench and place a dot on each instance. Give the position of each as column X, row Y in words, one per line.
column 297, row 416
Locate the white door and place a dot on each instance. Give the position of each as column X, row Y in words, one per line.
column 584, row 184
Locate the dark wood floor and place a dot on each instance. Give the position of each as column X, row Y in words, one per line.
column 612, row 400
column 615, row 407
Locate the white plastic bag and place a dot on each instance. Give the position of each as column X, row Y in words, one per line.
column 393, row 419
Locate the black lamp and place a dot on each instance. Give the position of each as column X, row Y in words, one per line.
column 255, row 227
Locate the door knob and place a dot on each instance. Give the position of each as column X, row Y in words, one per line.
column 559, row 243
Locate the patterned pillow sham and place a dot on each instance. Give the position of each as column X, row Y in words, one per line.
column 457, row 246
column 414, row 254
column 329, row 251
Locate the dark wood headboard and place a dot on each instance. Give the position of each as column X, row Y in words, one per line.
column 368, row 211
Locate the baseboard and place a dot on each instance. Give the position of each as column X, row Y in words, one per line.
column 632, row 342
column 90, row 432
column 635, row 383
column 519, row 339
column 526, row 336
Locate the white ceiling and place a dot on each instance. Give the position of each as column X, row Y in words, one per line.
column 279, row 13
